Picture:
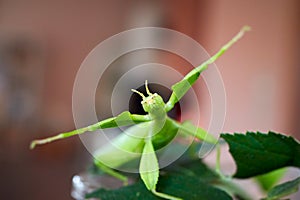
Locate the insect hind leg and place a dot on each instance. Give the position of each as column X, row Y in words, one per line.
column 111, row 172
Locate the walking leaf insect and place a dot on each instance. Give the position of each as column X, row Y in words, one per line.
column 154, row 131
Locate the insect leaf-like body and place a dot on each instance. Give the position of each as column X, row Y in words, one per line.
column 125, row 147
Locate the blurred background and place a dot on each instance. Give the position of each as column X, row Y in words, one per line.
column 43, row 43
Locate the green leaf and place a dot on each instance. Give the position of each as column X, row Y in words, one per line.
column 190, row 187
column 149, row 169
column 187, row 187
column 257, row 153
column 267, row 181
column 194, row 168
column 284, row 189
column 136, row 191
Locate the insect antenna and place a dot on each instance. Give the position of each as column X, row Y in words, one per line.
column 141, row 94
column 147, row 89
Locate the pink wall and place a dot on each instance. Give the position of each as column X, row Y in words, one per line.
column 261, row 72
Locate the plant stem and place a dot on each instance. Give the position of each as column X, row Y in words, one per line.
column 218, row 164
column 229, row 186
column 165, row 196
column 225, row 182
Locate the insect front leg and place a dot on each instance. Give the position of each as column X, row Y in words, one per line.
column 123, row 119
column 180, row 88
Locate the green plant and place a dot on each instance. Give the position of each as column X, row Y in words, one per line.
column 195, row 179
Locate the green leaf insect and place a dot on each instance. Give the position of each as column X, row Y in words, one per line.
column 149, row 132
